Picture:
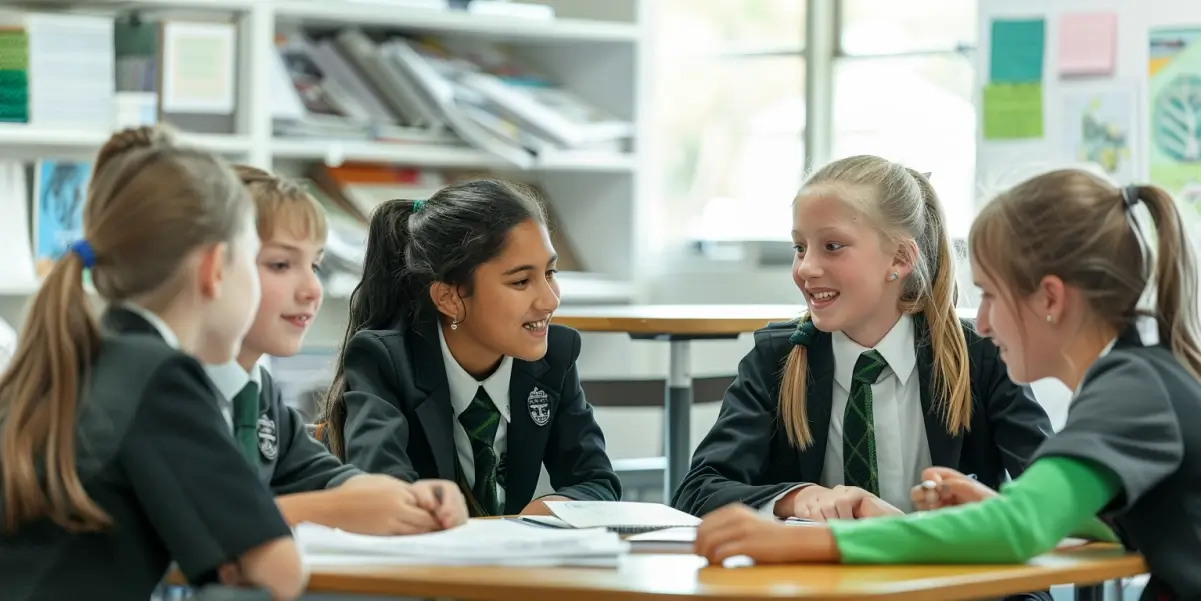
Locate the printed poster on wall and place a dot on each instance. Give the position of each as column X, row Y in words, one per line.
column 1100, row 128
column 1174, row 104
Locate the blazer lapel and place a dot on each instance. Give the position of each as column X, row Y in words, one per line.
column 944, row 447
column 435, row 413
column 532, row 406
column 818, row 406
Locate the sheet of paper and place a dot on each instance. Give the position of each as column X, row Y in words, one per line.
column 619, row 514
column 1017, row 51
column 1013, row 111
column 1100, row 127
column 478, row 542
column 1088, row 43
column 1174, row 139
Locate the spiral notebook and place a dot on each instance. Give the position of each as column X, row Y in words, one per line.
column 623, row 517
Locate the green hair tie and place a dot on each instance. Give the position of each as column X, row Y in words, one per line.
column 417, row 204
column 804, row 334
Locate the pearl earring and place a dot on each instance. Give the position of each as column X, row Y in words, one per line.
column 892, row 277
column 1050, row 319
column 454, row 324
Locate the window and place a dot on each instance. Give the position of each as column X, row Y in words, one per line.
column 729, row 90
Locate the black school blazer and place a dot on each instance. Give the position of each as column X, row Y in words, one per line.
column 747, row 457
column 399, row 419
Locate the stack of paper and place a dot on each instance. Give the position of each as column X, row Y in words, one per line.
column 478, row 542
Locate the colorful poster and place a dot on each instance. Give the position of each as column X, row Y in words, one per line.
column 1100, row 127
column 1013, row 111
column 1174, row 107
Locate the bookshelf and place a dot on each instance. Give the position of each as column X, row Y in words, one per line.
column 593, row 49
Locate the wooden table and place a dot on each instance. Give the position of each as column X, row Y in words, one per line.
column 679, row 325
column 660, row 577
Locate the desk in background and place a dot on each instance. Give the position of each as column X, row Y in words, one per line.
column 677, row 325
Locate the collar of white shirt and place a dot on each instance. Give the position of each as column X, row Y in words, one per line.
column 230, row 378
column 897, row 348
column 463, row 385
column 161, row 326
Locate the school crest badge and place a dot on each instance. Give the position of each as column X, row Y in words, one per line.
column 268, row 438
column 539, row 406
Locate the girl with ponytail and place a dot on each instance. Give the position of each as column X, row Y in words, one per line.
column 115, row 459
column 1064, row 267
column 836, row 414
column 451, row 368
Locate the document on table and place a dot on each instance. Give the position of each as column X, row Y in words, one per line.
column 622, row 516
column 478, row 542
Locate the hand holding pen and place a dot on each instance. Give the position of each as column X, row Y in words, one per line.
column 945, row 487
column 443, row 500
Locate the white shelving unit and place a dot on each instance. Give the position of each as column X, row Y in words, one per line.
column 594, row 48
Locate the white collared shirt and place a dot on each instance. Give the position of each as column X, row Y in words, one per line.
column 230, row 379
column 463, row 387
column 902, row 450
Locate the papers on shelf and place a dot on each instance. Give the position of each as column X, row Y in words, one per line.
column 478, row 542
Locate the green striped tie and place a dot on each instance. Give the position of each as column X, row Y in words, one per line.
column 480, row 420
column 858, row 425
column 246, row 417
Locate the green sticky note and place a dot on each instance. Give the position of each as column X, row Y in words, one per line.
column 1017, row 51
column 1013, row 111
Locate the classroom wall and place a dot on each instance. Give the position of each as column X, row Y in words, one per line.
column 1003, row 163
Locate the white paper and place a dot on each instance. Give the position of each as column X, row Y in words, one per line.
column 71, row 57
column 478, row 542
column 619, row 514
column 16, row 268
column 1100, row 128
column 198, row 68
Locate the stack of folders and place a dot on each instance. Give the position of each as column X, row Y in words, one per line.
column 478, row 542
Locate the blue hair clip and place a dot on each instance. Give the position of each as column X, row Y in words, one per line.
column 85, row 252
column 417, row 204
column 804, row 334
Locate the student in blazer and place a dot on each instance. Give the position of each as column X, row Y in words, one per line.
column 878, row 381
column 1063, row 267
column 117, row 460
column 451, row 366
column 748, row 458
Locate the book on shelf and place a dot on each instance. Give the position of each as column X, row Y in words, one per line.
column 16, row 246
column 14, row 71
column 58, row 218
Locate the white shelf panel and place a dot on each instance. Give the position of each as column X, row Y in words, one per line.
column 575, row 288
column 221, row 5
column 34, row 142
column 444, row 156
column 326, row 12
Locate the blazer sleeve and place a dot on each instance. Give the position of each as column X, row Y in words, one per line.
column 575, row 455
column 730, row 464
column 376, row 432
column 304, row 465
column 1019, row 425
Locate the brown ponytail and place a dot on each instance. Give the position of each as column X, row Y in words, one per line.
column 1175, row 273
column 39, row 392
column 907, row 211
column 149, row 204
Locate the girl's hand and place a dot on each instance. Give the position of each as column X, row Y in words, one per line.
column 841, row 502
column 443, row 499
column 737, row 530
column 945, row 487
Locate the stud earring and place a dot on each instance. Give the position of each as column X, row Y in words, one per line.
column 454, row 324
column 892, row 277
column 1050, row 319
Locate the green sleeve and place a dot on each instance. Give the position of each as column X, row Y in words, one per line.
column 1054, row 498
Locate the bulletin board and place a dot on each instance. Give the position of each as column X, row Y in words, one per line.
column 1112, row 84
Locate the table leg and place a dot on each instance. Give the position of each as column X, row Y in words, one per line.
column 1090, row 592
column 677, row 417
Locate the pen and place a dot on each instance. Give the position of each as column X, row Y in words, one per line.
column 438, row 495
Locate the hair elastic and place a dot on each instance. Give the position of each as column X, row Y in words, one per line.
column 85, row 252
column 804, row 334
column 417, row 205
column 1146, row 324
